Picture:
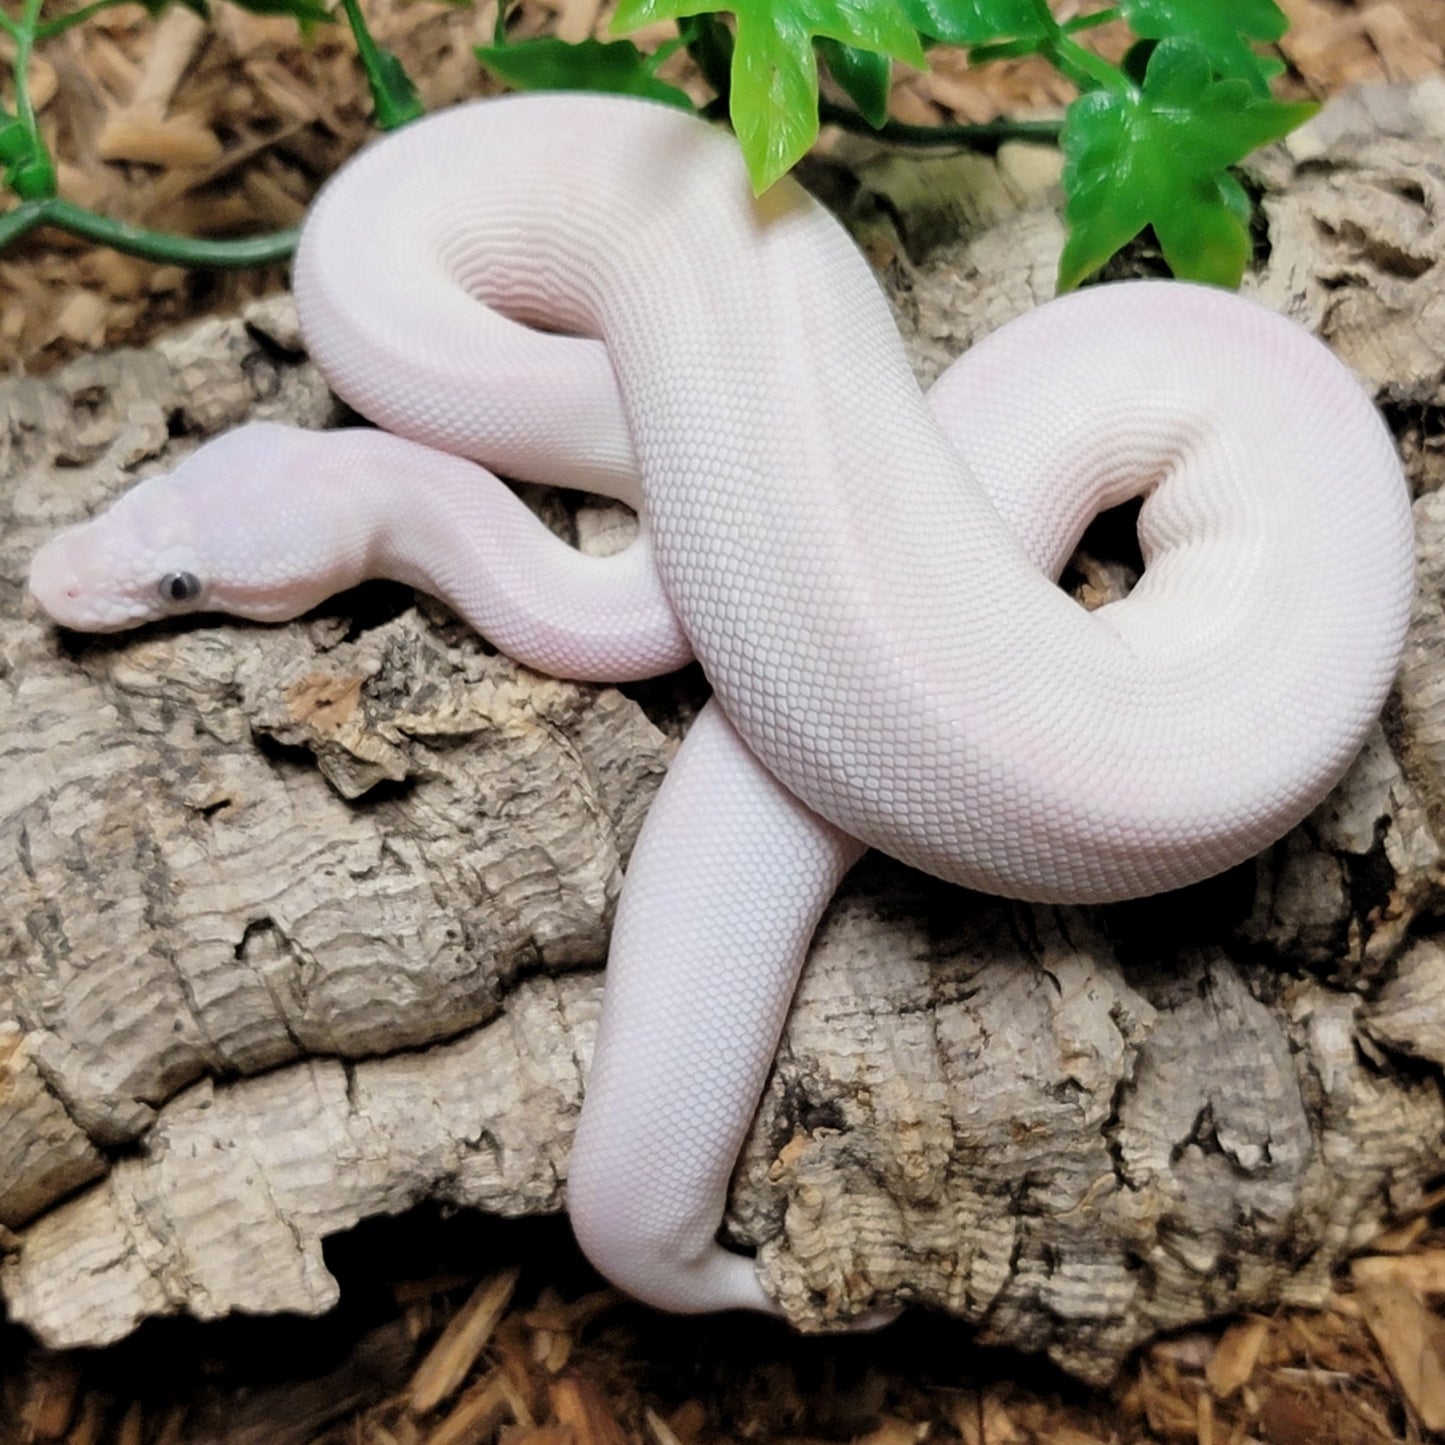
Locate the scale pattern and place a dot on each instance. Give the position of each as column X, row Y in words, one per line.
column 875, row 625
column 866, row 575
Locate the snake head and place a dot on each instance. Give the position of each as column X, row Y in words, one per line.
column 235, row 528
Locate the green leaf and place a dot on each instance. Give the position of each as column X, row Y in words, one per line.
column 393, row 95
column 32, row 178
column 615, row 66
column 774, row 86
column 156, row 8
column 1223, row 29
column 16, row 141
column 865, row 75
column 1160, row 155
column 307, row 12
column 977, row 22
column 710, row 43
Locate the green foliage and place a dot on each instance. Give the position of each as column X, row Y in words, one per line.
column 29, row 171
column 617, row 67
column 865, row 76
column 1222, row 29
column 979, row 22
column 1149, row 143
column 773, row 85
column 305, row 12
column 393, row 96
column 1159, row 155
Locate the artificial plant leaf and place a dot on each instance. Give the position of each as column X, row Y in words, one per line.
column 155, row 8
column 1159, row 155
column 615, row 66
column 1223, row 29
column 1204, row 240
column 865, row 76
column 976, row 22
column 774, row 89
column 307, row 12
column 32, row 177
column 393, row 95
column 16, row 141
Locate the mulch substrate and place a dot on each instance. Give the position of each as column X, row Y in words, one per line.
column 458, row 1332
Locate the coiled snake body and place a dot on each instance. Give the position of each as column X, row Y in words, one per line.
column 865, row 577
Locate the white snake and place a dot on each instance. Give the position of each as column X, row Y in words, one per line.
column 871, row 598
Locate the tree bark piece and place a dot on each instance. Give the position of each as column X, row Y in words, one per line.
column 301, row 925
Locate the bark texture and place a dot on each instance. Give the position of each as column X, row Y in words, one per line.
column 304, row 924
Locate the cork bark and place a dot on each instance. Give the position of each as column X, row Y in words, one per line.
column 305, row 924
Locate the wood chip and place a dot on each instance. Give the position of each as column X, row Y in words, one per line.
column 82, row 318
column 1289, row 1418
column 51, row 1405
column 176, row 143
column 173, row 1429
column 177, row 37
column 90, row 1426
column 476, row 1415
column 1412, row 1340
column 658, row 1430
column 1402, row 1237
column 272, row 205
column 1204, row 1418
column 577, row 19
column 1423, row 1273
column 110, row 68
column 1235, row 1356
column 985, row 1421
column 43, row 82
column 896, row 1432
column 578, row 1403
column 688, row 1421
column 132, row 1426
column 119, row 275
column 1405, row 53
column 455, row 1352
column 538, row 1435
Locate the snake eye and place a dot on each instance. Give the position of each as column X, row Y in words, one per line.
column 179, row 587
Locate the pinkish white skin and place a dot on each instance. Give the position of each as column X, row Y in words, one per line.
column 267, row 521
column 872, row 598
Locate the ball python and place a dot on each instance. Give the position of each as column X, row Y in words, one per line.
column 583, row 290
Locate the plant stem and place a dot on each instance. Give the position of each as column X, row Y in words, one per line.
column 710, row 44
column 148, row 245
column 1085, row 69
column 987, row 136
column 392, row 93
column 24, row 45
column 366, row 47
column 1088, row 22
column 62, row 23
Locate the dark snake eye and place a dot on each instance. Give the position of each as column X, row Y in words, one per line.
column 180, row 587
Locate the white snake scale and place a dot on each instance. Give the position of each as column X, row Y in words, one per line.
column 869, row 591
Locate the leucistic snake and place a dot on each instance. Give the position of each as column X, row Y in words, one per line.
column 866, row 575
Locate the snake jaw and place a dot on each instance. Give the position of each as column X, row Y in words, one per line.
column 113, row 572
column 75, row 591
column 225, row 531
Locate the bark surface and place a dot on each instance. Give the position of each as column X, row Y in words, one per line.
column 305, row 924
